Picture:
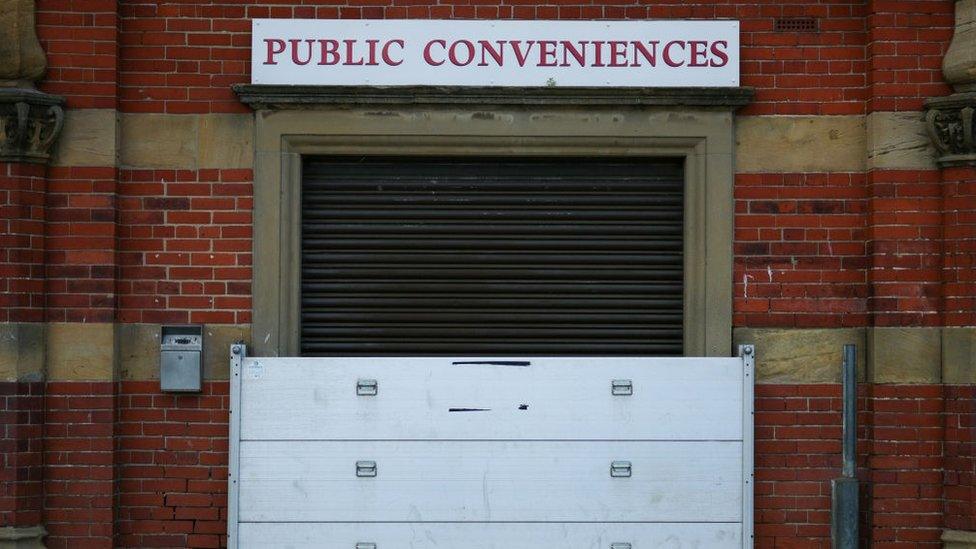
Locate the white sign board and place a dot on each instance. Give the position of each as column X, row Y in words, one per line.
column 495, row 53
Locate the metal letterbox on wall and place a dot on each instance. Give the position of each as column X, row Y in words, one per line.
column 181, row 359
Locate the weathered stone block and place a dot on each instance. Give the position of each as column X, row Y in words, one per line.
column 787, row 144
column 801, row 355
column 958, row 539
column 904, row 355
column 959, row 356
column 22, row 351
column 88, row 139
column 22, row 537
column 80, row 352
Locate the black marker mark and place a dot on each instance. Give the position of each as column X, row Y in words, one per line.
column 469, row 409
column 522, row 363
column 523, row 406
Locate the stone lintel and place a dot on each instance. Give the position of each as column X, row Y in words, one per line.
column 276, row 97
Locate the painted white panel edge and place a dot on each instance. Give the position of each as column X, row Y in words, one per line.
column 507, row 481
column 305, row 535
column 553, row 399
column 234, row 461
column 748, row 354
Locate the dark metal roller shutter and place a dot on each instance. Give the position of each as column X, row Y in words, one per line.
column 447, row 256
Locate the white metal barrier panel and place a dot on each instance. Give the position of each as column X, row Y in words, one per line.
column 473, row 453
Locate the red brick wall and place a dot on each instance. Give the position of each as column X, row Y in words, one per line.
column 182, row 57
column 126, row 463
column 21, row 242
column 173, row 474
column 80, row 244
column 906, row 43
column 21, row 460
column 904, row 480
column 185, row 246
column 960, row 457
column 800, row 250
column 905, row 247
column 79, row 464
column 797, row 453
column 80, row 39
column 959, row 252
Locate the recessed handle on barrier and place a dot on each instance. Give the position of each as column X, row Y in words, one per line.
column 620, row 469
column 372, row 546
column 621, row 387
column 365, row 468
column 620, row 545
column 367, row 387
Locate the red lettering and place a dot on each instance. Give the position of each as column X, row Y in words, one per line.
column 598, row 54
column 667, row 53
column 720, row 53
column 330, row 52
column 427, row 56
column 547, row 50
column 372, row 52
column 350, row 44
column 486, row 47
column 452, row 53
column 521, row 56
column 578, row 54
column 699, row 50
column 649, row 55
column 618, row 53
column 275, row 47
column 294, row 52
column 386, row 53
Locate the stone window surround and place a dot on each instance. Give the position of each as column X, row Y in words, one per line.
column 696, row 124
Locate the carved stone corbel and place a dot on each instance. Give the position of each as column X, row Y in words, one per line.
column 949, row 120
column 30, row 121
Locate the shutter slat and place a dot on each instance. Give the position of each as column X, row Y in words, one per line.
column 434, row 256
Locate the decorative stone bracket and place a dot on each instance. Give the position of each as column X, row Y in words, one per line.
column 950, row 122
column 30, row 122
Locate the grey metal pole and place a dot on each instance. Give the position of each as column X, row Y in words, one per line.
column 850, row 411
column 844, row 501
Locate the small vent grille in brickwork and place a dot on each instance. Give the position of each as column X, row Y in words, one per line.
column 796, row 24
